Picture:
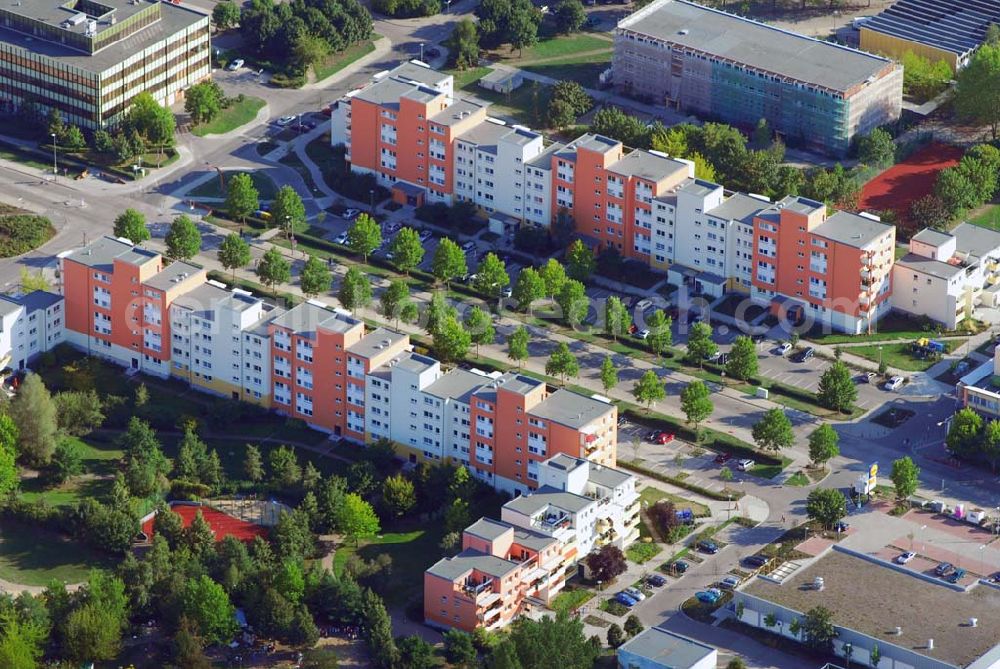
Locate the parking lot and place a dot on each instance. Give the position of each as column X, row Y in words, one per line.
column 806, row 375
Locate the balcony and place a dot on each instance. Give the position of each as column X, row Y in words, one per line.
column 554, row 521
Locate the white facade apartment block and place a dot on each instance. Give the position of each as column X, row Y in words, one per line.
column 489, row 167
column 538, row 191
column 29, row 325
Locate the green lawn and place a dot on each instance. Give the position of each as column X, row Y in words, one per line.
column 100, row 458
column 892, row 326
column 584, row 70
column 562, row 45
column 336, row 62
column 266, row 188
column 897, row 355
column 234, row 116
column 651, row 495
column 18, row 156
column 32, row 556
column 412, row 552
column 641, row 553
column 526, row 105
column 798, row 479
column 989, row 218
column 769, row 471
column 570, row 600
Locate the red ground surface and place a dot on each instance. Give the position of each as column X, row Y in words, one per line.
column 900, row 185
column 222, row 524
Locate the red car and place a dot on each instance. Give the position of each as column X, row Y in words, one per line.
column 723, row 458
column 660, row 437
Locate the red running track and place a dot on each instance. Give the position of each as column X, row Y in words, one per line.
column 222, row 524
column 910, row 180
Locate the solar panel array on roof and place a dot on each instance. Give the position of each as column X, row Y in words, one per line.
column 957, row 26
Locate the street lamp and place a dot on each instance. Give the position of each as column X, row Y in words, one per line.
column 421, row 52
column 371, row 201
column 55, row 168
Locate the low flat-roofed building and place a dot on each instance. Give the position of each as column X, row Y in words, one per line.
column 657, row 648
column 948, row 30
column 870, row 600
column 90, row 59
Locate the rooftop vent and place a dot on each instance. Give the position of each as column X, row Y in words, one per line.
column 973, row 622
column 683, row 31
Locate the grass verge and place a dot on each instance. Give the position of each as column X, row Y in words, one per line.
column 33, row 556
column 569, row 601
column 641, row 553
column 237, row 114
column 266, row 188
column 336, row 62
column 898, row 356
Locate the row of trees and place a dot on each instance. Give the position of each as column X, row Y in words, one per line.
column 960, row 188
column 183, row 239
column 972, row 438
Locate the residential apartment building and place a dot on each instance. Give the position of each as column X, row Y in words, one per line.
column 312, row 362
column 500, row 571
column 947, row 275
column 524, row 559
column 581, row 503
column 29, row 325
column 834, row 271
column 90, row 59
column 814, row 93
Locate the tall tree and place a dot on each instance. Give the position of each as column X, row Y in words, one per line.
column 287, row 210
column 449, row 262
column 242, row 198
column 463, row 45
column 394, row 300
column 34, row 413
column 529, row 288
column 480, row 327
column 203, row 101
column 607, row 563
column 398, row 494
column 580, row 261
column 817, row 628
column 451, row 340
column 315, row 278
column 226, row 15
column 649, row 389
column 609, row 374
column 8, row 456
column 273, row 269
column 131, row 225
column 517, row 345
column 554, row 276
column 21, row 642
column 964, row 432
column 355, row 518
column 660, row 336
column 183, row 239
column 836, row 388
column 234, row 253
column 364, row 236
column 206, row 603
column 696, row 402
column 700, row 345
column 742, row 363
column 491, row 276
column 407, row 250
column 355, row 290
column 617, row 320
column 377, row 631
column 877, row 148
column 146, row 467
column 458, row 649
column 977, row 94
column 253, row 464
column 562, row 363
column 573, row 302
column 773, row 431
column 569, row 15
column 826, row 506
column 823, row 444
column 905, row 477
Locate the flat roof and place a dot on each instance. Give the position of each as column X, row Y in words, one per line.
column 306, row 318
column 39, row 299
column 419, row 72
column 738, row 207
column 101, row 254
column 646, row 165
column 698, row 187
column 593, row 142
column 667, row 649
column 413, row 362
column 458, row 384
column 957, row 26
column 929, row 266
column 931, row 237
column 173, row 19
column 757, row 45
column 376, row 341
column 455, row 567
column 851, row 229
column 922, row 609
column 608, row 477
column 483, row 134
column 488, row 529
column 544, row 159
column 458, row 110
column 173, row 273
column 9, row 305
column 570, row 409
column 204, row 297
column 387, row 92
column 546, row 496
column 975, row 239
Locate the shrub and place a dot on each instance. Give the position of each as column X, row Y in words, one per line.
column 21, row 233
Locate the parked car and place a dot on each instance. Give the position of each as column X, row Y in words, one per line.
column 507, row 291
column 634, row 593
column 710, row 596
column 285, row 120
column 351, row 214
column 658, row 437
column 756, row 561
column 235, row 65
column 729, row 582
column 642, row 334
column 622, row 421
column 715, row 356
column 903, row 558
column 340, row 239
column 706, row 546
column 679, row 567
column 745, row 465
column 642, row 305
column 955, row 576
column 425, row 234
column 894, row 383
column 943, row 569
column 656, row 580
column 784, row 348
column 995, row 578
column 806, row 353
column 868, row 377
column 468, row 246
column 723, row 458
column 622, row 598
column 841, row 526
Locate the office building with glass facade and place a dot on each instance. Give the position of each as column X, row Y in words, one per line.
column 89, row 59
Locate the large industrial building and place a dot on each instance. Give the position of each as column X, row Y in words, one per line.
column 89, row 59
column 948, row 30
column 813, row 93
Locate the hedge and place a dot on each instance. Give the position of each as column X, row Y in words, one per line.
column 679, row 482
